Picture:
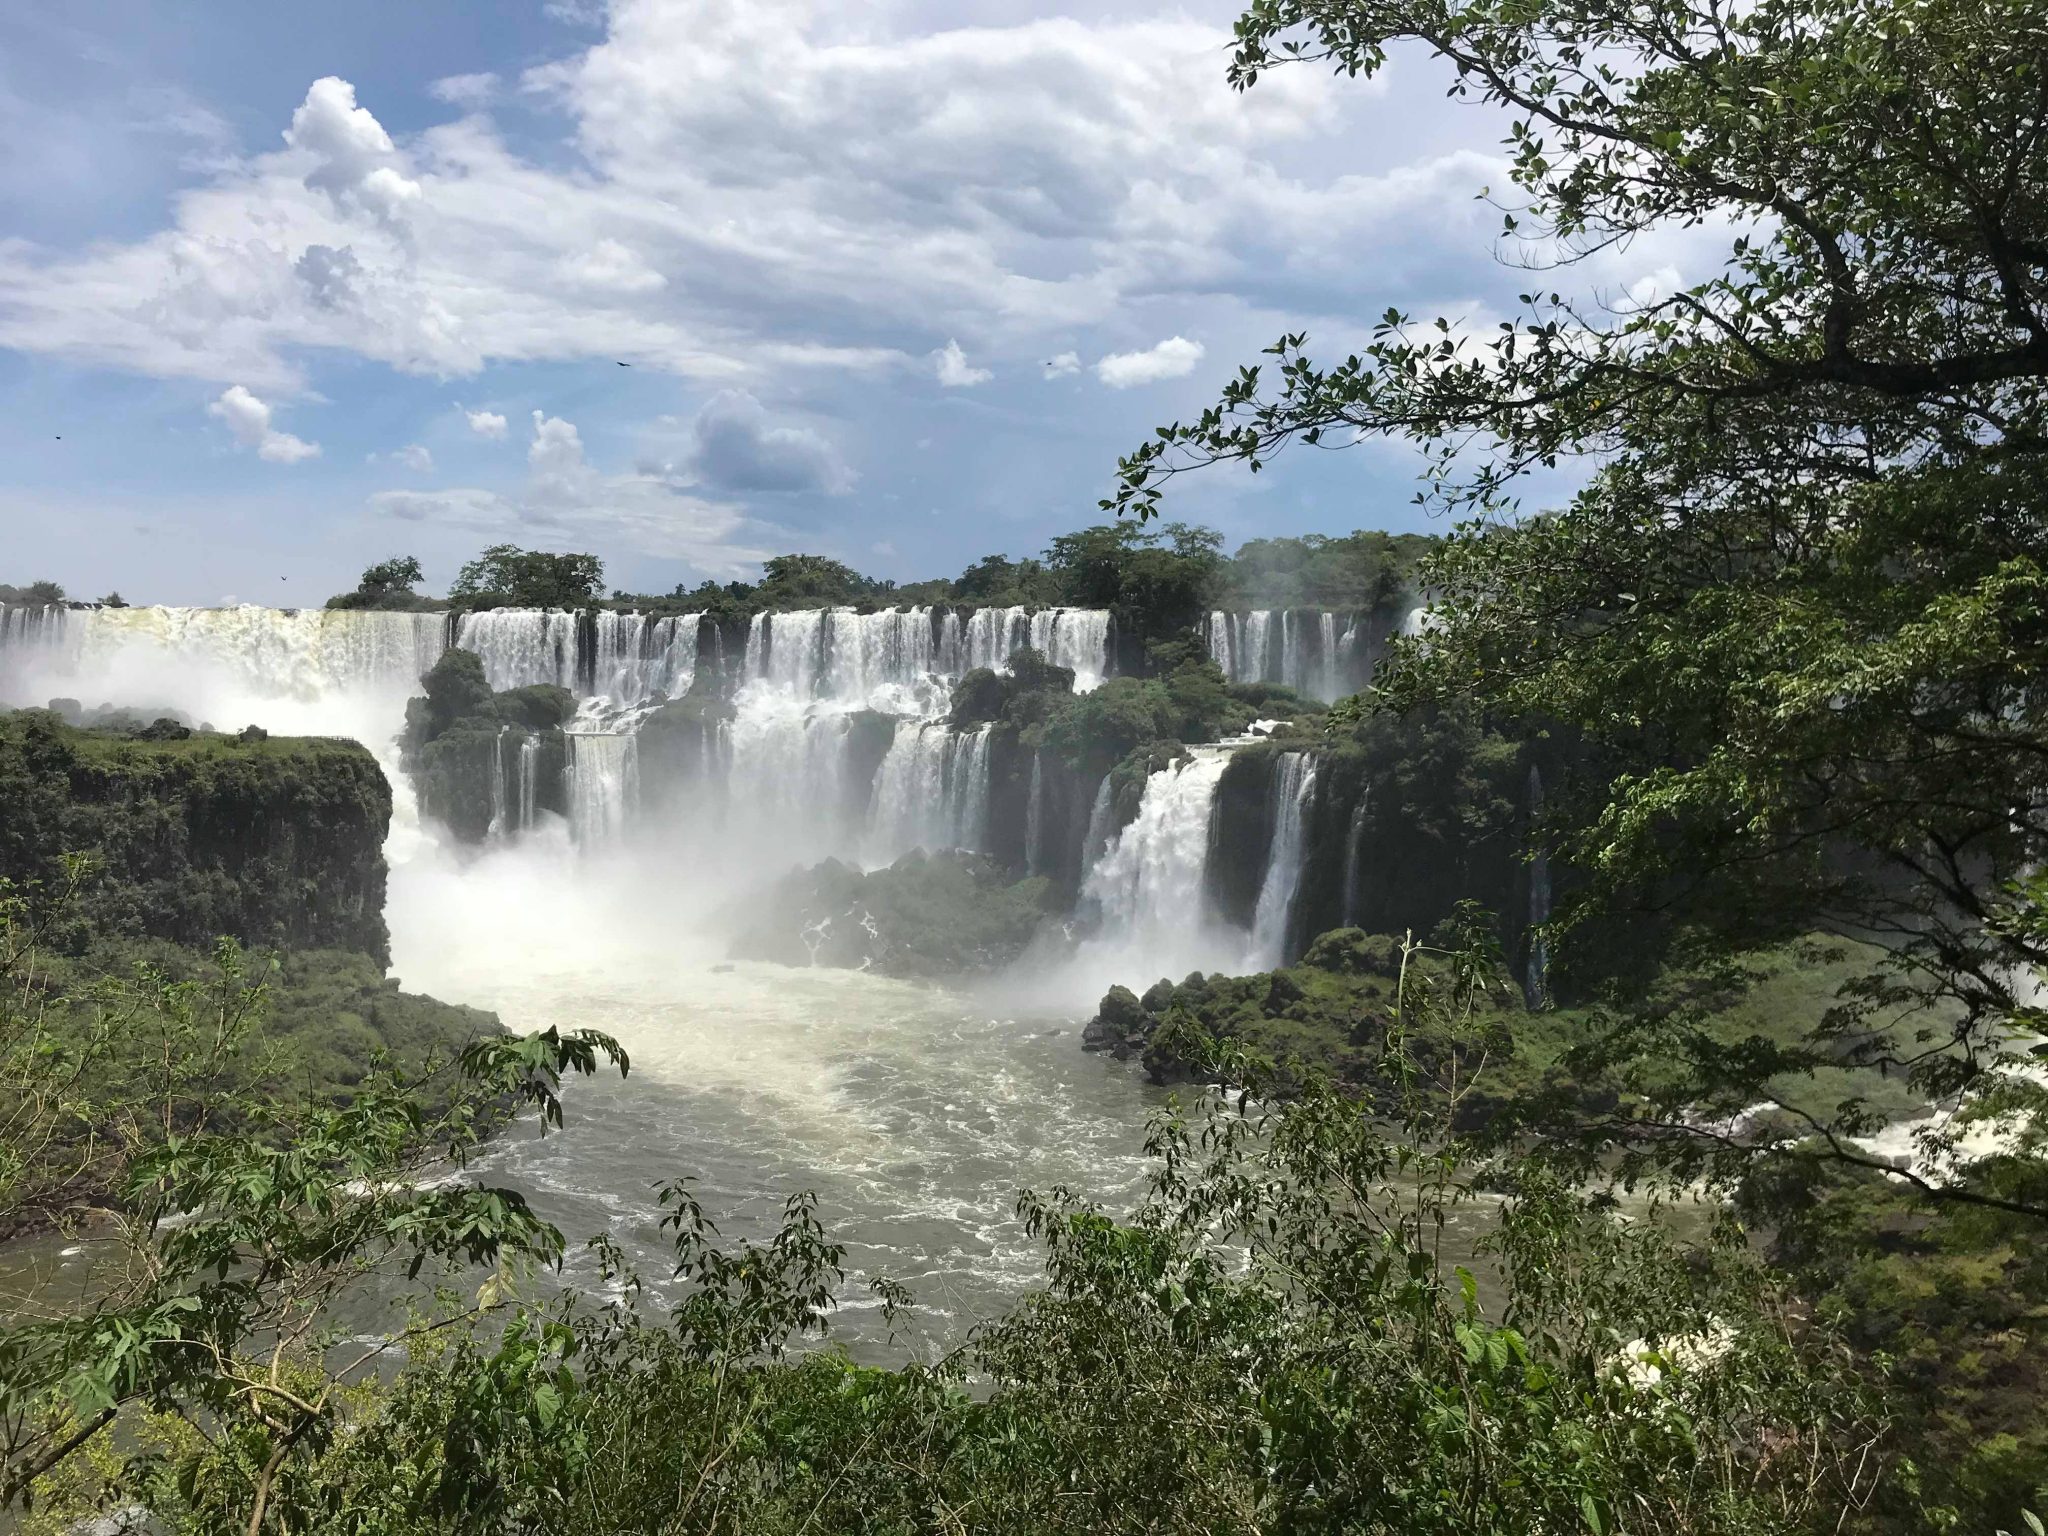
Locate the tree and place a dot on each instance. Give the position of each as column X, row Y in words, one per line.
column 401, row 573
column 507, row 576
column 1800, row 600
column 43, row 592
column 1796, row 616
column 810, row 581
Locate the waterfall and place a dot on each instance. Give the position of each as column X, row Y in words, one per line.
column 967, row 787
column 1095, row 841
column 1034, row 816
column 1354, row 848
column 1253, row 658
column 520, row 646
column 1536, row 985
column 1294, row 785
column 1149, row 884
column 1329, row 685
column 604, row 785
column 1310, row 650
column 1067, row 637
column 529, row 760
column 836, row 742
column 498, row 828
column 931, row 791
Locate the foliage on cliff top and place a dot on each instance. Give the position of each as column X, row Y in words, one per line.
column 273, row 840
column 506, row 576
column 388, row 586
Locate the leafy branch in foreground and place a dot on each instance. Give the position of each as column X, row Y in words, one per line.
column 1789, row 635
column 1302, row 1326
column 237, row 1222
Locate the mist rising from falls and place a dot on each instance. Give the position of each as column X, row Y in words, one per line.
column 832, row 742
column 310, row 672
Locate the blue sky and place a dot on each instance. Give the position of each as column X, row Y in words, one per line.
column 299, row 287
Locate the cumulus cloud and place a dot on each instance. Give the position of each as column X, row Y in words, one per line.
column 354, row 160
column 734, row 447
column 469, row 91
column 613, row 267
column 416, row 457
column 1173, row 358
column 1060, row 366
column 567, row 500
column 330, row 275
column 751, row 188
column 953, row 369
column 484, row 423
column 248, row 418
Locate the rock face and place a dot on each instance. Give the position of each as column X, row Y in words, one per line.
column 946, row 914
column 275, row 841
column 478, row 758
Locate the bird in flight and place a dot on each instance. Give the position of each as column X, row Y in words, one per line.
column 622, row 365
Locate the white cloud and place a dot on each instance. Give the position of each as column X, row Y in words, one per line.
column 613, row 267
column 484, row 423
column 470, row 91
column 733, row 447
column 416, row 457
column 754, row 188
column 1060, row 366
column 354, row 160
column 248, row 418
column 569, row 502
column 953, row 369
column 1173, row 358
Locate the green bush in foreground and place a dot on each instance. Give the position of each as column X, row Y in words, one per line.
column 1275, row 1339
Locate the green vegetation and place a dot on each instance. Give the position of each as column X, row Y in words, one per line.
column 1278, row 1337
column 1792, row 624
column 388, row 585
column 506, row 576
column 270, row 841
column 36, row 593
column 1361, row 571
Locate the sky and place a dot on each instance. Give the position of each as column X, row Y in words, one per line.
column 289, row 289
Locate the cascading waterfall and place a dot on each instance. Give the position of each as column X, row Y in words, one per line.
column 604, row 785
column 932, row 790
column 1095, row 841
column 1354, row 850
column 498, row 827
column 1313, row 651
column 836, row 743
column 1067, row 637
column 521, row 646
column 529, row 762
column 1330, row 657
column 1149, row 885
column 1294, row 787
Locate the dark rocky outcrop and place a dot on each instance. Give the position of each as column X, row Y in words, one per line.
column 1330, row 1014
column 943, row 914
column 476, row 756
